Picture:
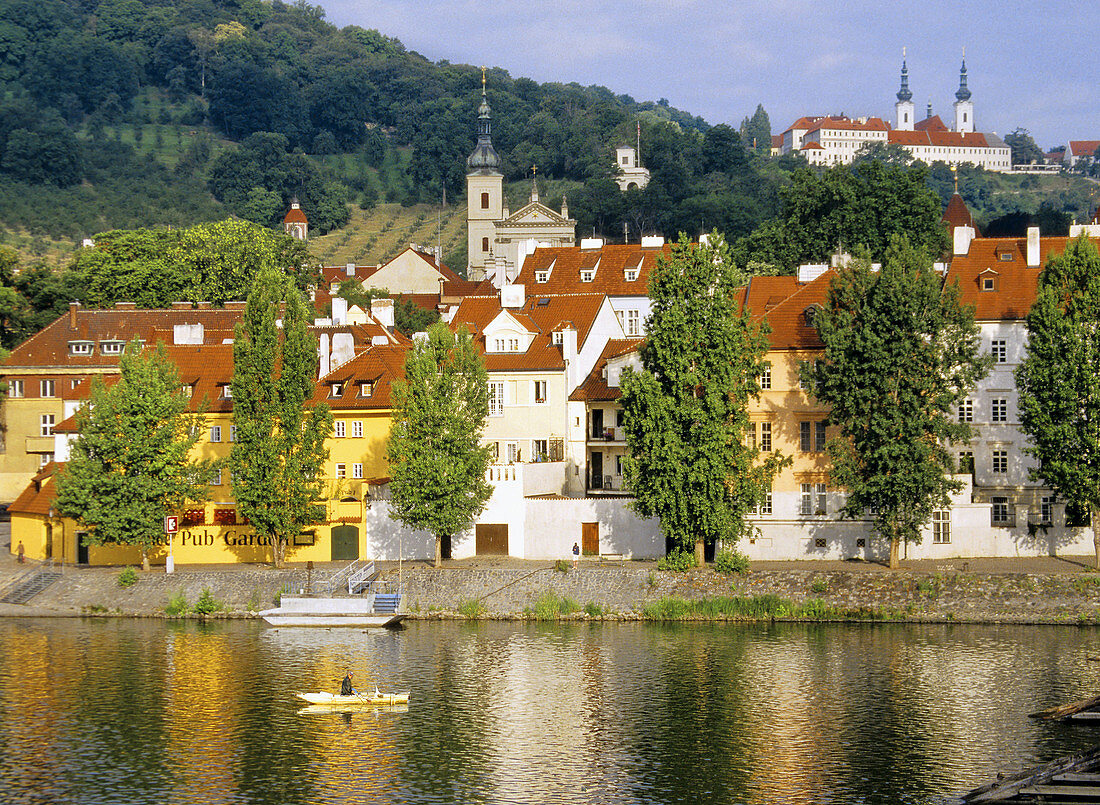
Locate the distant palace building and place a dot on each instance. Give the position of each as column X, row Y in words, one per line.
column 834, row 140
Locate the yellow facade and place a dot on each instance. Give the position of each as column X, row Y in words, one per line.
column 784, row 407
column 212, row 533
column 26, row 449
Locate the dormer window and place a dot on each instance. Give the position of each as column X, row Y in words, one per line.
column 366, row 389
column 336, row 390
column 808, row 315
column 587, row 275
column 1004, row 257
column 631, row 274
column 227, row 391
column 542, row 276
column 559, row 337
column 187, row 390
column 987, row 280
column 111, row 347
column 80, row 347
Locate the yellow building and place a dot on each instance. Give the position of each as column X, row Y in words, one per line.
column 213, row 531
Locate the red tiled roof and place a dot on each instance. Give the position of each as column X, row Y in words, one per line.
column 931, row 124
column 611, row 263
column 1083, row 148
column 787, row 318
column 1016, row 284
column 847, row 124
column 39, row 495
column 942, row 139
column 805, row 123
column 595, row 388
column 813, row 146
column 295, row 216
column 378, row 365
column 956, row 214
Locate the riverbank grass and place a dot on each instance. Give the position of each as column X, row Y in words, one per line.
column 760, row 608
column 550, row 607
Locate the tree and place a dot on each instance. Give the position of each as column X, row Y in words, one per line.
column 131, row 463
column 900, row 353
column 1059, row 395
column 686, row 411
column 280, row 442
column 886, row 153
column 436, row 459
column 1024, row 149
column 756, row 132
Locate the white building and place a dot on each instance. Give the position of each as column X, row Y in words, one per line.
column 631, row 175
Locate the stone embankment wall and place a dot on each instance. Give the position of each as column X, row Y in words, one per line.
column 617, row 589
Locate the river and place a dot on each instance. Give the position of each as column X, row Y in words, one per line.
column 135, row 711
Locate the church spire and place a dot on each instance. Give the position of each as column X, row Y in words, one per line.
column 963, row 92
column 904, row 94
column 484, row 158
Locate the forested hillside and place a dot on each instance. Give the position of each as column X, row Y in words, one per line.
column 124, row 114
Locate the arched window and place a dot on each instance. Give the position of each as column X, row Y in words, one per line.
column 485, row 244
column 484, row 201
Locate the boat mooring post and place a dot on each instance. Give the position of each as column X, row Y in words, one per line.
column 309, row 577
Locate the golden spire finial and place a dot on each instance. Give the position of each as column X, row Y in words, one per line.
column 903, row 51
column 483, row 80
column 534, row 169
column 955, row 176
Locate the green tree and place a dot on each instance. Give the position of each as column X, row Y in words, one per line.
column 131, row 463
column 1057, row 381
column 410, row 318
column 1024, row 149
column 280, row 442
column 886, row 153
column 900, row 353
column 686, row 411
column 756, row 132
column 437, row 462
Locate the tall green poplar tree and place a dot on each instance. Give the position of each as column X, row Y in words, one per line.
column 279, row 447
column 131, row 463
column 436, row 460
column 1059, row 380
column 685, row 413
column 900, row 353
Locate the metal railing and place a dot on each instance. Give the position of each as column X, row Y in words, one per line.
column 337, row 580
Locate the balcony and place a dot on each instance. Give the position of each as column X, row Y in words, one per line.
column 608, row 484
column 607, row 435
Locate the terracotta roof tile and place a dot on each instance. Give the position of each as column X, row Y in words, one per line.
column 956, row 214
column 595, row 388
column 1083, row 148
column 379, row 366
column 39, row 495
column 564, row 265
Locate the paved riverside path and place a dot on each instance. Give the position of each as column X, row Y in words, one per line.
column 1026, row 590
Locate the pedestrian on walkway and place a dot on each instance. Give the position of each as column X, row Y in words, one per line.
column 576, row 554
column 19, row 552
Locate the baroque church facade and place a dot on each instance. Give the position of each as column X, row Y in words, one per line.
column 499, row 240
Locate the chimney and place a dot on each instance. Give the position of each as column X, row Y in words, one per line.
column 512, row 296
column 572, row 361
column 73, row 308
column 323, row 356
column 1033, row 247
column 382, row 310
column 349, row 269
column 962, row 237
column 339, row 311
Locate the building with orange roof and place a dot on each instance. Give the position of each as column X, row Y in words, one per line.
column 295, row 223
column 834, row 140
column 1078, row 150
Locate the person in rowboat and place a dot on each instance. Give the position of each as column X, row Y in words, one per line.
column 345, row 686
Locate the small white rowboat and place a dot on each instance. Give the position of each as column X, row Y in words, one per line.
column 367, row 698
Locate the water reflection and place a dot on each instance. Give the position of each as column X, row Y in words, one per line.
column 147, row 712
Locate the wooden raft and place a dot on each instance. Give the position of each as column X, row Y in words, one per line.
column 1072, row 779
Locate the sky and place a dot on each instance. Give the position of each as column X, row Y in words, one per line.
column 1030, row 65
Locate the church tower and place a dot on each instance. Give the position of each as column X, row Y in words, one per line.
column 484, row 193
column 904, row 106
column 964, row 109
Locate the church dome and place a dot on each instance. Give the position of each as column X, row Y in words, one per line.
column 484, row 159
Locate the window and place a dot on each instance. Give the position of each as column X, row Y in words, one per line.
column 336, row 390
column 989, row 283
column 484, row 201
column 188, row 390
column 339, row 428
column 820, row 499
column 513, row 345
column 15, row 388
column 46, row 388
column 540, row 449
column 232, row 433
column 111, row 347
column 588, row 275
column 765, row 437
column 215, row 433
column 45, row 425
column 1004, row 257
column 539, row 391
column 356, row 470
column 542, row 276
column 341, row 470
column 805, row 436
column 764, row 508
column 80, row 347
column 1046, row 510
column 806, row 507
column 966, row 462
column 357, row 429
column 485, row 244
column 631, row 326
column 227, row 391
column 1000, row 409
column 225, row 516
column 496, row 399
column 766, row 377
column 511, row 452
column 819, row 437
column 941, row 526
column 999, row 350
column 366, row 389
column 1000, row 511
column 631, row 274
column 750, row 438
column 216, row 478
column 44, row 459
column 966, row 411
column 559, row 336
column 1000, row 461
